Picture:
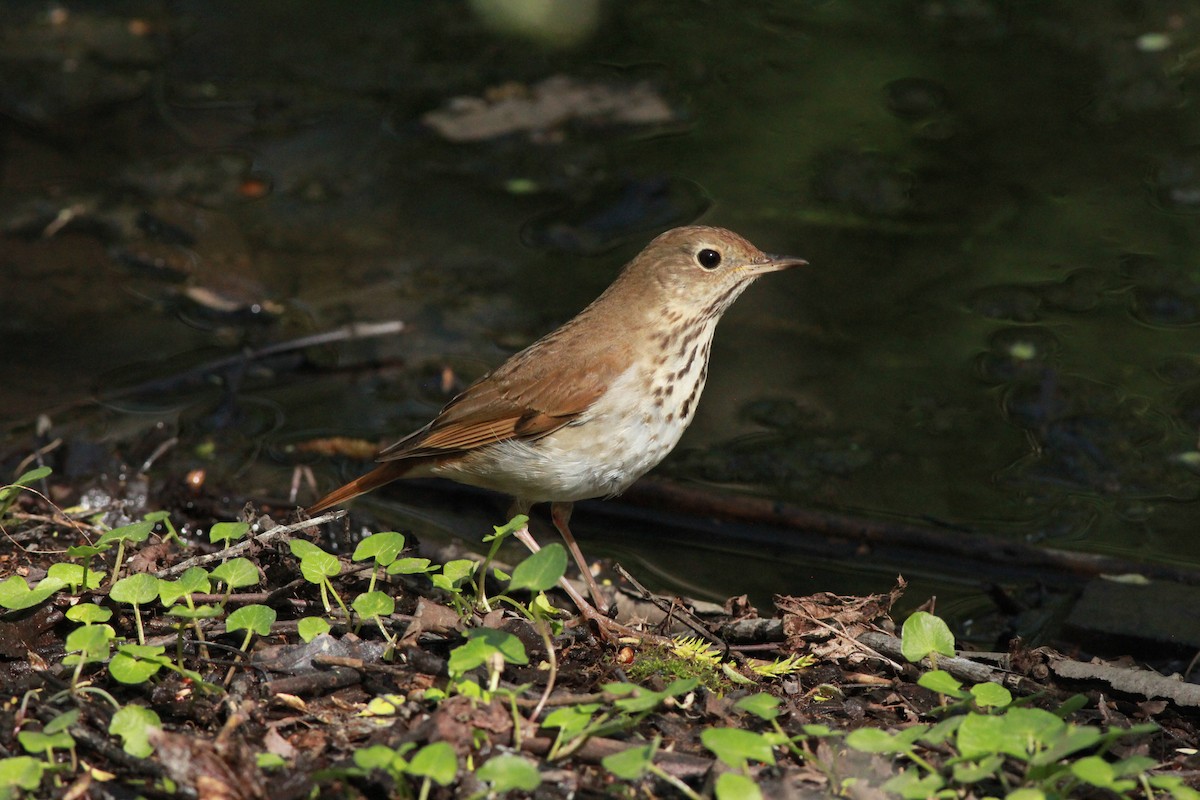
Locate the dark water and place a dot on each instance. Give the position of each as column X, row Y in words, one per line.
column 998, row 200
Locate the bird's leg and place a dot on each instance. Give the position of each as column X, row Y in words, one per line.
column 560, row 513
column 608, row 628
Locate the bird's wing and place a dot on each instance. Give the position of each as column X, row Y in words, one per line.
column 521, row 400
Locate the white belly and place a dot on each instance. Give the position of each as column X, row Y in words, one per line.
column 628, row 431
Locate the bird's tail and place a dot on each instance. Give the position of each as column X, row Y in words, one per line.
column 384, row 473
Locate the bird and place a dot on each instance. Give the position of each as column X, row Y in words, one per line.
column 589, row 408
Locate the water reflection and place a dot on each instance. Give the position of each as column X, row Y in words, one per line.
column 998, row 204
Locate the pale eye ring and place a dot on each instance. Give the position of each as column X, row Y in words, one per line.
column 708, row 258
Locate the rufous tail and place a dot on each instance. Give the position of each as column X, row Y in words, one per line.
column 384, row 473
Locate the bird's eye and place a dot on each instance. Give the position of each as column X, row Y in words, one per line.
column 709, row 259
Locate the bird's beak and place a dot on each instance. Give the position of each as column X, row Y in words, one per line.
column 775, row 263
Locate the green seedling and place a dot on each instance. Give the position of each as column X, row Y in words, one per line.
column 133, row 724
column 383, row 547
column 9, row 492
column 318, row 567
column 88, row 644
column 224, row 533
column 310, row 628
column 507, row 773
column 133, row 533
column 636, row 762
column 15, row 593
column 135, row 590
column 254, row 618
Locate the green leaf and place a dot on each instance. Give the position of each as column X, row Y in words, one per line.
column 504, row 642
column 761, row 705
column 507, row 529
column 1094, row 770
column 436, row 761
column 303, row 547
column 1018, row 732
column 1071, row 705
column 942, row 682
column 199, row 612
column 41, row 742
column 135, row 532
column 269, row 761
column 735, row 746
column 72, row 575
column 912, row 785
column 408, row 566
column 195, row 581
column 62, row 721
column 137, row 663
column 136, row 589
column 317, row 567
column 642, row 699
column 571, row 720
column 732, row 786
column 633, row 763
column 310, row 628
column 506, row 773
column 10, row 491
column 255, row 617
column 15, row 593
column 133, row 724
column 874, row 740
column 23, row 772
column 923, row 633
column 1026, row 794
column 377, row 756
column 456, row 571
column 228, row 531
column 986, row 768
column 89, row 613
column 374, row 604
column 942, row 731
column 88, row 643
column 467, row 657
column 541, row 570
column 383, row 547
column 991, row 695
column 236, row 573
column 31, row 476
column 84, row 551
column 1062, row 742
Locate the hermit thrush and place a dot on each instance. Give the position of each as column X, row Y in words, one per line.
column 588, row 409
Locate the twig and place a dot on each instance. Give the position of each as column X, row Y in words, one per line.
column 262, row 538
